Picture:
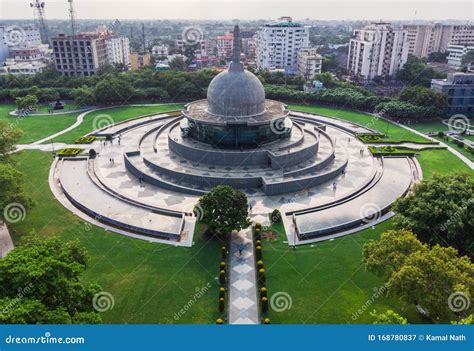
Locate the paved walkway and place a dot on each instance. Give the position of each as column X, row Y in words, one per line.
column 243, row 304
column 6, row 243
column 46, row 114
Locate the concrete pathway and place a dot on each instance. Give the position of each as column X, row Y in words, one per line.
column 6, row 242
column 414, row 146
column 46, row 114
column 243, row 303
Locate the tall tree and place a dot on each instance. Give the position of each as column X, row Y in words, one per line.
column 223, row 209
column 440, row 210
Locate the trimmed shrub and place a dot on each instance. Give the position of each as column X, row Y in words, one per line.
column 258, row 252
column 275, row 217
column 221, row 292
column 266, row 320
column 259, row 264
column 221, row 304
column 85, row 140
column 222, row 265
column 261, row 276
column 223, row 252
column 222, row 277
column 258, row 226
column 219, row 321
column 264, row 301
column 263, row 292
column 69, row 152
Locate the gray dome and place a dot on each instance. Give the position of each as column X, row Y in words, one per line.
column 236, row 93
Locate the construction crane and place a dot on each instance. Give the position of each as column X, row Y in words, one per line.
column 72, row 17
column 43, row 24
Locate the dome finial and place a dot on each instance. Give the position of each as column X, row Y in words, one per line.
column 236, row 65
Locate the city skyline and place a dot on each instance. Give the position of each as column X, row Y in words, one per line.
column 265, row 9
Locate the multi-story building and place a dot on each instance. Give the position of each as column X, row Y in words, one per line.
column 427, row 38
column 4, row 49
column 278, row 44
column 26, row 54
column 462, row 41
column 160, row 50
column 22, row 68
column 377, row 50
column 309, row 63
column 139, row 60
column 225, row 45
column 32, row 36
column 118, row 50
column 459, row 87
column 81, row 55
column 201, row 51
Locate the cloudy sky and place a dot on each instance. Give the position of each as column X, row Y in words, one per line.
column 247, row 9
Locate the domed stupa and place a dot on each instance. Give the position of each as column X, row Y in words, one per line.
column 236, row 114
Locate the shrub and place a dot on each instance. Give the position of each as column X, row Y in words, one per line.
column 258, row 226
column 219, row 321
column 264, row 304
column 261, row 276
column 85, row 140
column 259, row 264
column 263, row 292
column 221, row 304
column 69, row 152
column 223, row 252
column 222, row 277
column 258, row 252
column 276, row 216
column 222, row 265
column 221, row 292
column 266, row 321
column 440, row 134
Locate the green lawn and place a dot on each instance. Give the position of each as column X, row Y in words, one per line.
column 36, row 127
column 441, row 162
column 115, row 114
column 150, row 282
column 68, row 107
column 393, row 132
column 327, row 281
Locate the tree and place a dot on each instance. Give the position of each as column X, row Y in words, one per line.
column 27, row 103
column 223, row 209
column 114, row 91
column 389, row 253
column 178, row 64
column 440, row 210
column 416, row 72
column 421, row 275
column 438, row 57
column 468, row 58
column 425, row 97
column 12, row 193
column 388, row 317
column 8, row 138
column 84, row 96
column 47, row 272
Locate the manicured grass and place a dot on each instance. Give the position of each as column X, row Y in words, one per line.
column 68, row 107
column 441, row 162
column 36, row 127
column 393, row 132
column 112, row 115
column 150, row 282
column 327, row 281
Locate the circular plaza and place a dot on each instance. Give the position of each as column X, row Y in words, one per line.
column 146, row 175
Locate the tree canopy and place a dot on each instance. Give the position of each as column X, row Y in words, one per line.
column 41, row 284
column 387, row 317
column 421, row 275
column 223, row 209
column 416, row 72
column 440, row 210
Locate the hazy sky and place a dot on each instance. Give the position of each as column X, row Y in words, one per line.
column 247, row 9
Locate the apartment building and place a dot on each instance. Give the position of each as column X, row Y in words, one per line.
column 428, row 38
column 278, row 44
column 309, row 63
column 377, row 50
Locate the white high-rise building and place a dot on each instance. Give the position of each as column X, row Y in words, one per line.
column 4, row 50
column 462, row 41
column 118, row 50
column 278, row 44
column 309, row 63
column 427, row 38
column 377, row 50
